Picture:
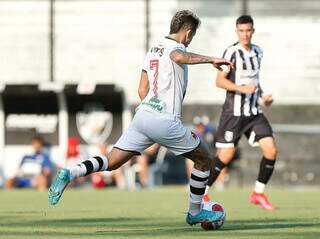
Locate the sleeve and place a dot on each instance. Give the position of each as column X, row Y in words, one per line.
column 146, row 63
column 178, row 46
column 228, row 53
column 261, row 53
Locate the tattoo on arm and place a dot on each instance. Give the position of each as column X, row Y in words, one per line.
column 190, row 58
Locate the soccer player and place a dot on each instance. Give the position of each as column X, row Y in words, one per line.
column 162, row 88
column 241, row 113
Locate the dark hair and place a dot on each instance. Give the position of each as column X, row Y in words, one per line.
column 37, row 138
column 182, row 19
column 244, row 19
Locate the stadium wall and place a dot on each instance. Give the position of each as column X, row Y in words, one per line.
column 103, row 41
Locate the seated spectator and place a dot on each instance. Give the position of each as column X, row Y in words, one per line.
column 34, row 170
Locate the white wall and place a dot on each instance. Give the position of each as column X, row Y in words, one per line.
column 24, row 41
column 103, row 41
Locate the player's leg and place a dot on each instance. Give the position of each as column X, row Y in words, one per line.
column 263, row 135
column 10, row 183
column 171, row 133
column 132, row 142
column 226, row 139
column 199, row 176
column 198, row 180
column 223, row 158
column 112, row 161
column 269, row 151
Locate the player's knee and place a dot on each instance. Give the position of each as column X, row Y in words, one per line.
column 226, row 157
column 271, row 153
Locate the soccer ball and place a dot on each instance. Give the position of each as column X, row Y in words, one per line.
column 213, row 206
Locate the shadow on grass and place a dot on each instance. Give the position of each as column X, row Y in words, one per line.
column 148, row 226
column 266, row 224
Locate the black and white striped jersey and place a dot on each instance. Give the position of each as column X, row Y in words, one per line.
column 246, row 71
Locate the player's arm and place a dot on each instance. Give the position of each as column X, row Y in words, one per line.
column 224, row 83
column 189, row 58
column 266, row 99
column 143, row 85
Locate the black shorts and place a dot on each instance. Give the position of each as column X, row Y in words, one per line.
column 231, row 128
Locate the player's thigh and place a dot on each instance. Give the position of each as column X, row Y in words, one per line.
column 268, row 147
column 132, row 142
column 261, row 128
column 134, row 139
column 117, row 157
column 229, row 131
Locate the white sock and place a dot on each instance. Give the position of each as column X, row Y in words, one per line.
column 77, row 171
column 91, row 165
column 198, row 182
column 207, row 190
column 259, row 187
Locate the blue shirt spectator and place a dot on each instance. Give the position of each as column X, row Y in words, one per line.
column 34, row 170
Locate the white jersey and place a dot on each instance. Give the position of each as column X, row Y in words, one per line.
column 167, row 79
column 157, row 119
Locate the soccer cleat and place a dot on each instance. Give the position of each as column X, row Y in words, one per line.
column 262, row 200
column 204, row 216
column 56, row 189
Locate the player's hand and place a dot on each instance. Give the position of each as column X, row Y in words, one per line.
column 219, row 62
column 267, row 99
column 247, row 89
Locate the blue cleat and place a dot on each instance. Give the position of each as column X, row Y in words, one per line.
column 57, row 187
column 204, row 216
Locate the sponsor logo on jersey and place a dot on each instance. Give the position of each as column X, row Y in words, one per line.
column 155, row 104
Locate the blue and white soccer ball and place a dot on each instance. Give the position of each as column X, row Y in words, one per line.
column 213, row 206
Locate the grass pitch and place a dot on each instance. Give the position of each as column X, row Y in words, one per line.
column 158, row 213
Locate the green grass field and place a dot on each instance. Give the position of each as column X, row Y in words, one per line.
column 158, row 213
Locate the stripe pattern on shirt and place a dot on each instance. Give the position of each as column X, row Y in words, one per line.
column 246, row 71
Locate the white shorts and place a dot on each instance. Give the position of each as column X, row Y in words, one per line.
column 149, row 127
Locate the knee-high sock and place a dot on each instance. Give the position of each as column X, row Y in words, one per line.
column 265, row 173
column 91, row 165
column 198, row 182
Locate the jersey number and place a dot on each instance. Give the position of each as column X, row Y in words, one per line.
column 154, row 65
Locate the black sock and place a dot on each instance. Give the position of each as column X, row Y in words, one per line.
column 266, row 170
column 216, row 168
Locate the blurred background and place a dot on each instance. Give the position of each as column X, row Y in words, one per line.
column 70, row 72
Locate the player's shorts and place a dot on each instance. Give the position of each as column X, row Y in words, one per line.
column 149, row 127
column 231, row 128
column 23, row 182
